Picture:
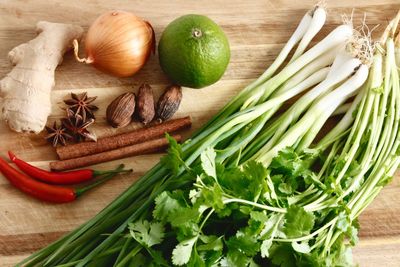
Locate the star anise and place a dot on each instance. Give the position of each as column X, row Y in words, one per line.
column 81, row 105
column 57, row 134
column 77, row 126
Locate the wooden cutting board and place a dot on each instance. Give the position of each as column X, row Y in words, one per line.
column 256, row 30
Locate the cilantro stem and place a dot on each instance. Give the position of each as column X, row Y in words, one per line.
column 254, row 204
column 307, row 237
column 328, row 238
column 206, row 218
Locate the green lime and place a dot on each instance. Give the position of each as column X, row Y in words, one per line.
column 194, row 51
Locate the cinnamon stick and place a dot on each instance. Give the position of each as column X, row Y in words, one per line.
column 151, row 146
column 121, row 140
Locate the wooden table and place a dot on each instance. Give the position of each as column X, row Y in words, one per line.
column 256, row 30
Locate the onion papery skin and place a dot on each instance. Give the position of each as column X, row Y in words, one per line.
column 119, row 43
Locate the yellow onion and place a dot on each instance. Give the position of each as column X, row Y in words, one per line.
column 118, row 43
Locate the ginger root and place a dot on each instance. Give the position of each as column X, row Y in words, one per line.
column 25, row 91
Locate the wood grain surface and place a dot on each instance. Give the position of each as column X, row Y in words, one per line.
column 256, row 31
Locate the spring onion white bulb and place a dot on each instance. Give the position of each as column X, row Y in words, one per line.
column 316, row 24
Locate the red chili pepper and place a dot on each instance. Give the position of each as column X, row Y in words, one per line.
column 43, row 191
column 64, row 178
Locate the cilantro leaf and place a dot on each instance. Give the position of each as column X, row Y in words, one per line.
column 283, row 255
column 212, row 197
column 265, row 246
column 146, row 233
column 183, row 215
column 157, row 258
column 171, row 207
column 259, row 216
column 173, row 160
column 298, row 222
column 245, row 183
column 294, row 168
column 385, row 180
column 186, row 230
column 256, row 173
column 235, row 258
column 207, row 158
column 302, row 247
column 311, row 259
column 352, row 234
column 287, row 188
column 254, row 170
column 194, row 194
column 211, row 242
column 269, row 227
column 233, row 182
column 211, row 257
column 182, row 252
column 165, row 204
column 343, row 222
column 245, row 243
column 350, row 229
column 340, row 254
column 195, row 260
column 288, row 162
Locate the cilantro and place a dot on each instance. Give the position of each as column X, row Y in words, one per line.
column 212, row 197
column 291, row 171
column 147, row 234
column 311, row 259
column 273, row 222
column 298, row 222
column 194, row 214
column 210, row 242
column 287, row 188
column 244, row 182
column 182, row 216
column 182, row 252
column 165, row 204
column 343, row 222
column 282, row 255
column 289, row 162
column 235, row 258
column 233, row 182
column 259, row 216
column 340, row 254
column 194, row 194
column 386, row 179
column 254, row 170
column 196, row 260
column 302, row 247
column 173, row 160
column 265, row 246
column 352, row 234
column 208, row 162
column 186, row 230
column 157, row 258
column 244, row 243
column 256, row 173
